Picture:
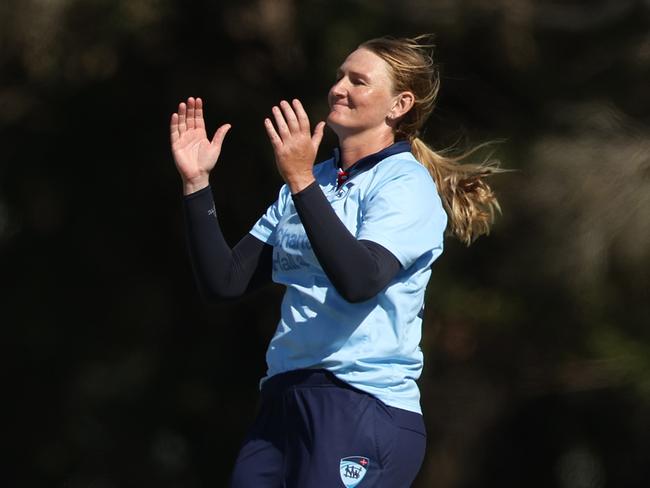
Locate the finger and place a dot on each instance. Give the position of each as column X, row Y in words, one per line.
column 173, row 127
column 182, row 126
column 199, row 123
column 276, row 140
column 190, row 113
column 220, row 134
column 303, row 120
column 283, row 129
column 290, row 116
column 318, row 135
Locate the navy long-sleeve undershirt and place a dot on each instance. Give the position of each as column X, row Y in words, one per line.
column 358, row 269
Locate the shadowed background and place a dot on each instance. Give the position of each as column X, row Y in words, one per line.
column 536, row 338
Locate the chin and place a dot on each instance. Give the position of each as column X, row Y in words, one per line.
column 334, row 123
column 331, row 119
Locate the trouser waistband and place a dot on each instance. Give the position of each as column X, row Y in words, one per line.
column 303, row 377
column 321, row 377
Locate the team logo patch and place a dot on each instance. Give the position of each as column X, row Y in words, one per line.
column 353, row 469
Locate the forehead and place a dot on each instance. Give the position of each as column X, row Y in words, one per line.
column 366, row 62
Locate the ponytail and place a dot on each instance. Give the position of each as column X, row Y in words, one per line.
column 468, row 200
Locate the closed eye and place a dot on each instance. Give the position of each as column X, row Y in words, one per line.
column 355, row 78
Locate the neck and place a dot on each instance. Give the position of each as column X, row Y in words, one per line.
column 356, row 146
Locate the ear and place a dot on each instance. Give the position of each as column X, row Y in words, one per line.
column 402, row 104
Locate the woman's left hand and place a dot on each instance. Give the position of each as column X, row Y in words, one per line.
column 293, row 143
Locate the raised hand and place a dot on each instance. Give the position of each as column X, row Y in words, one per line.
column 293, row 143
column 194, row 154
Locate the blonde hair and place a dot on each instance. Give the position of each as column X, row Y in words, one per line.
column 469, row 201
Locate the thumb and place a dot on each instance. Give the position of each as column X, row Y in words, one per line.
column 219, row 135
column 318, row 134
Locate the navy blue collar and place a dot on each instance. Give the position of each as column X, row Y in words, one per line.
column 367, row 162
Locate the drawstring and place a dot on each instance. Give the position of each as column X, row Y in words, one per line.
column 341, row 177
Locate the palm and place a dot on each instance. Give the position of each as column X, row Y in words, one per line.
column 194, row 154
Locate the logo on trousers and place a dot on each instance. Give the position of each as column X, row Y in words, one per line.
column 353, row 469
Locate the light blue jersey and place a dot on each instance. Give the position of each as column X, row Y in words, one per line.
column 371, row 345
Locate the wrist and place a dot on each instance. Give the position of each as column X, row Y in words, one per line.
column 300, row 182
column 192, row 186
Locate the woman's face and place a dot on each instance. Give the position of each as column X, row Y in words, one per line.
column 362, row 96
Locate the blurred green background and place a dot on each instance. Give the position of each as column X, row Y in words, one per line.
column 536, row 338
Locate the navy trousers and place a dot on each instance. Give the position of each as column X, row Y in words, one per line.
column 316, row 431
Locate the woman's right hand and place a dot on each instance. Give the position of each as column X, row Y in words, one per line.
column 194, row 154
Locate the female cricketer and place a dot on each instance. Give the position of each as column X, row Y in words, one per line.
column 352, row 239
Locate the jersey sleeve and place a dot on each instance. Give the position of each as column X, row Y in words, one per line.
column 404, row 213
column 264, row 228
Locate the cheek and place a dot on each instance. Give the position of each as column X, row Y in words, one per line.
column 375, row 106
column 374, row 99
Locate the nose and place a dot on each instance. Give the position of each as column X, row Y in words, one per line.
column 337, row 91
